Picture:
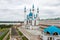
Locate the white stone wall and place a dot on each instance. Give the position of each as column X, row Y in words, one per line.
column 32, row 22
column 25, row 22
column 45, row 37
column 37, row 22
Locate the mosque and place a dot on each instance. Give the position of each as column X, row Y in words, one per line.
column 31, row 19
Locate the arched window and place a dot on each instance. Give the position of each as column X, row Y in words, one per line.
column 55, row 33
column 47, row 33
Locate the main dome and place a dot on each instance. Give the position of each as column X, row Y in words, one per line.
column 30, row 14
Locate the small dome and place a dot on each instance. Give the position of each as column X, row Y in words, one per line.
column 52, row 29
column 30, row 14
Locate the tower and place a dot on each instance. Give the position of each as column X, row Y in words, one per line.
column 25, row 9
column 37, row 11
column 25, row 16
column 33, row 8
column 33, row 14
column 30, row 21
column 37, row 22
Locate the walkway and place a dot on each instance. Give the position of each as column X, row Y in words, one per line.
column 14, row 34
column 28, row 34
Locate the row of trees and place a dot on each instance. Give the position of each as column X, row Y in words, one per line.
column 51, row 19
column 5, row 26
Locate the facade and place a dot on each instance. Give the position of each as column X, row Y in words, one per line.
column 32, row 18
column 51, row 33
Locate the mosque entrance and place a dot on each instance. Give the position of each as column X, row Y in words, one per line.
column 47, row 33
column 55, row 33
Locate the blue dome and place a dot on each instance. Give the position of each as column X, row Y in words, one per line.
column 30, row 14
column 52, row 29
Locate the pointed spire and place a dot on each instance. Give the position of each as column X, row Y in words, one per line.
column 33, row 7
column 25, row 9
column 30, row 10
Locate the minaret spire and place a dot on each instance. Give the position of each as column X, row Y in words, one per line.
column 25, row 15
column 37, row 12
column 30, row 10
column 33, row 7
column 25, row 9
column 25, row 12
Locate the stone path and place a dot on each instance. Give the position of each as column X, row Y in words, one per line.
column 28, row 35
column 14, row 34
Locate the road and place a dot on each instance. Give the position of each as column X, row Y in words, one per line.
column 50, row 22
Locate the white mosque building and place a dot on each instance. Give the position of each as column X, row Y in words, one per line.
column 32, row 19
column 51, row 33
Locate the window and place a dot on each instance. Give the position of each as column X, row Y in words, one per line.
column 50, row 38
column 55, row 33
column 47, row 33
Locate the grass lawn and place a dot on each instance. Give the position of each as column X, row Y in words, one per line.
column 4, row 34
column 24, row 38
column 8, row 37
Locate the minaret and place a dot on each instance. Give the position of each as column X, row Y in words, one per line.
column 33, row 14
column 37, row 11
column 30, row 19
column 25, row 16
column 25, row 12
column 37, row 22
column 30, row 10
column 33, row 8
column 25, row 9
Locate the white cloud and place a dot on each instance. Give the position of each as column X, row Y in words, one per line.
column 13, row 9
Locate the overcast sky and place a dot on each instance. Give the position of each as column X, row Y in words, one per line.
column 12, row 10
